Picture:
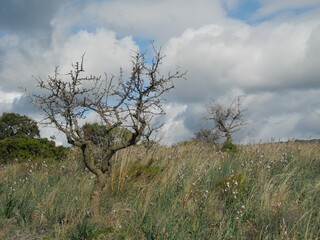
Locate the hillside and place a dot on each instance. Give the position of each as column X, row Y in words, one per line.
column 187, row 191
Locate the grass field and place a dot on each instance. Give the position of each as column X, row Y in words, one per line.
column 187, row 191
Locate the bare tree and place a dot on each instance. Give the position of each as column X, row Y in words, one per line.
column 120, row 103
column 207, row 135
column 227, row 120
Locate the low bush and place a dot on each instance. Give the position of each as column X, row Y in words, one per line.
column 21, row 149
column 229, row 147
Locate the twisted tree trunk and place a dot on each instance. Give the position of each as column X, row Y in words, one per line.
column 96, row 194
column 100, row 182
column 229, row 137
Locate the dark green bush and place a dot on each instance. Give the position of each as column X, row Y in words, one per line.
column 21, row 149
column 149, row 144
column 98, row 134
column 15, row 125
column 228, row 146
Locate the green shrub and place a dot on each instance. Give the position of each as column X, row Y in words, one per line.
column 149, row 144
column 21, row 149
column 98, row 134
column 15, row 125
column 228, row 146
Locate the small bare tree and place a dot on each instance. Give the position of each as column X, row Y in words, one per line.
column 120, row 103
column 227, row 120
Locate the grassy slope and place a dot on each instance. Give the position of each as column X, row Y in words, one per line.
column 188, row 191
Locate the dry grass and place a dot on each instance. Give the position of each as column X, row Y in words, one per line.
column 187, row 191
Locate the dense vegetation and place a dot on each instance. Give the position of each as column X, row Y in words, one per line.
column 97, row 133
column 19, row 140
column 18, row 126
column 23, row 149
column 187, row 191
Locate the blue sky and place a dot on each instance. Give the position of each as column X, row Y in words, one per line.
column 267, row 50
column 246, row 9
column 243, row 11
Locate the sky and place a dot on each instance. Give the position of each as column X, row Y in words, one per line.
column 267, row 50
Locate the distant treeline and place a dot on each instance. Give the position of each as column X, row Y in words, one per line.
column 307, row 141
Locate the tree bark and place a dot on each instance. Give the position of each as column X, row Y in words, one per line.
column 100, row 182
column 229, row 137
column 96, row 194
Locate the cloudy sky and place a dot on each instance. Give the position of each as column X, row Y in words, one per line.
column 268, row 50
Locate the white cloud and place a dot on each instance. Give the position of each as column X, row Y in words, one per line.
column 103, row 51
column 174, row 129
column 59, row 137
column 6, row 101
column 231, row 4
column 154, row 19
column 283, row 115
column 278, row 127
column 24, row 58
column 266, row 57
column 8, row 97
column 21, row 59
column 276, row 65
column 276, row 62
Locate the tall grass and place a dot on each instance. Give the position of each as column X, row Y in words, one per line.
column 187, row 191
